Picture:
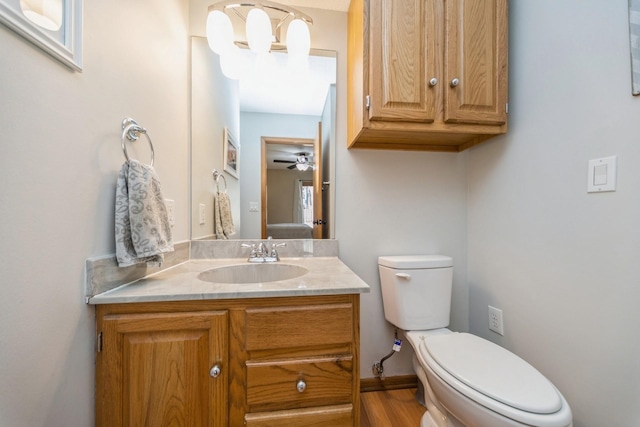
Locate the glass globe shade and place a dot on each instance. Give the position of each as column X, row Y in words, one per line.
column 219, row 32
column 44, row 13
column 298, row 39
column 233, row 63
column 258, row 31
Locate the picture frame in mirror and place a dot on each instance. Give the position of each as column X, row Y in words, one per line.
column 231, row 154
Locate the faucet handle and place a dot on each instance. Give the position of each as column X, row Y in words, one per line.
column 252, row 246
column 274, row 252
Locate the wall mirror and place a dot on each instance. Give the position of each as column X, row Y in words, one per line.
column 55, row 26
column 272, row 194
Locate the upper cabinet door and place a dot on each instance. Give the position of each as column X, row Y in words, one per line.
column 476, row 61
column 402, row 60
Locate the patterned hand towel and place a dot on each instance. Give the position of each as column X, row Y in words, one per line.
column 142, row 227
column 223, row 221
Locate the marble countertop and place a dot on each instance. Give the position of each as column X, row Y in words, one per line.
column 326, row 276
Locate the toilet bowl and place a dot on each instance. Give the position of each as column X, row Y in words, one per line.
column 467, row 381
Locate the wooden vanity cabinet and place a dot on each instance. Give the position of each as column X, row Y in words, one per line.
column 426, row 74
column 157, row 368
column 283, row 361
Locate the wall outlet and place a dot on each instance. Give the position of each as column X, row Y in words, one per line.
column 202, row 214
column 171, row 211
column 495, row 320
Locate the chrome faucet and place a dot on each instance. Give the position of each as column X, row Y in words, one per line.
column 261, row 253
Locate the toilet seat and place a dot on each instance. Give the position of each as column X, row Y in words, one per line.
column 422, row 342
column 493, row 371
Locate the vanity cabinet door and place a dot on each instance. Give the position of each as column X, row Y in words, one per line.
column 159, row 369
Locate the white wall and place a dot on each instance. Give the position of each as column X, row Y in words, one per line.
column 60, row 139
column 561, row 263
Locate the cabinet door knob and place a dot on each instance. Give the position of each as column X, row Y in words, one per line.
column 433, row 82
column 215, row 371
column 301, row 386
column 455, row 82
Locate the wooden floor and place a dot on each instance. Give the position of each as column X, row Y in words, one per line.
column 390, row 408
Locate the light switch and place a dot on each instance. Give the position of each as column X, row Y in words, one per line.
column 253, row 207
column 602, row 174
column 202, row 213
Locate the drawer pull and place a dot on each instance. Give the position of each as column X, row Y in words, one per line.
column 301, row 386
column 215, row 371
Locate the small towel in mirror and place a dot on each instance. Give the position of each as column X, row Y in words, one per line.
column 223, row 220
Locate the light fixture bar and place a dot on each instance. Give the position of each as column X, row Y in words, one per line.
column 232, row 4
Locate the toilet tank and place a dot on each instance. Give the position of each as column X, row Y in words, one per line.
column 416, row 290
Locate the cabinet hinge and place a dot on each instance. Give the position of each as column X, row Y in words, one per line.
column 99, row 342
column 367, row 102
column 506, row 108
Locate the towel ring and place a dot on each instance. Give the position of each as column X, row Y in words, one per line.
column 132, row 131
column 217, row 175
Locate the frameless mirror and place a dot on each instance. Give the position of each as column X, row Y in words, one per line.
column 279, row 179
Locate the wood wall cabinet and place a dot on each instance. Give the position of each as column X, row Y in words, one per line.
column 426, row 74
column 281, row 361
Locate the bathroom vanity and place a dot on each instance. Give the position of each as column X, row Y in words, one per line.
column 174, row 349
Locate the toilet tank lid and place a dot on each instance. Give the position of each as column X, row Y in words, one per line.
column 415, row 261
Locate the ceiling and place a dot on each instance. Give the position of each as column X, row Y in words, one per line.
column 281, row 91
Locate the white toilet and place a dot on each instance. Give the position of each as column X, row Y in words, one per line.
column 467, row 381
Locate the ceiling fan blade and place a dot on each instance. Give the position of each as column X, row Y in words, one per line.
column 292, row 166
column 283, row 161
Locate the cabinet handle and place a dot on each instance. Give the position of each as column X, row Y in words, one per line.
column 215, row 371
column 455, row 82
column 301, row 386
column 433, row 82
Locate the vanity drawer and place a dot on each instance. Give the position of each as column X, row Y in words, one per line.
column 299, row 383
column 335, row 416
column 299, row 326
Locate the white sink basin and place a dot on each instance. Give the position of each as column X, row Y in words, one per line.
column 252, row 273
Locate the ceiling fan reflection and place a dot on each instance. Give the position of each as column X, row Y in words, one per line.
column 301, row 163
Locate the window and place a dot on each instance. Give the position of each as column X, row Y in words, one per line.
column 55, row 26
column 307, row 202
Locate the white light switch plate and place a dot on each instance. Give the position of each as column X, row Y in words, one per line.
column 170, row 205
column 202, row 213
column 602, row 174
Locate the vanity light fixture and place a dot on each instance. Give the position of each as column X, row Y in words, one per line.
column 263, row 22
